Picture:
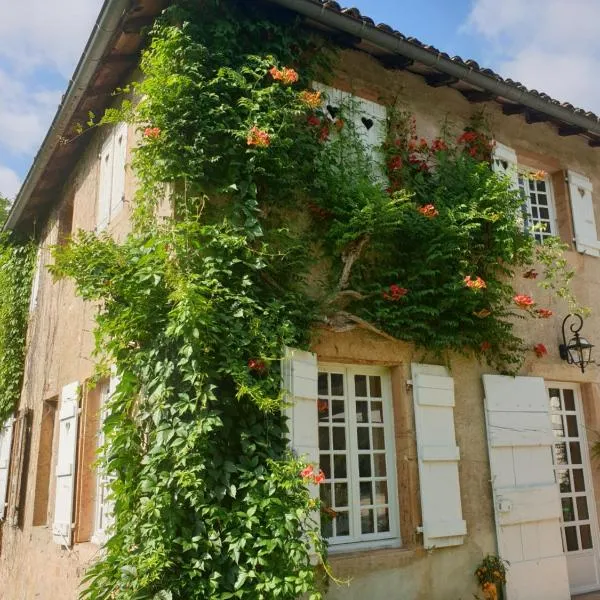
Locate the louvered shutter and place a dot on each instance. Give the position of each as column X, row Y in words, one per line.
column 526, row 497
column 35, row 284
column 5, row 450
column 118, row 170
column 438, row 455
column 300, row 375
column 584, row 221
column 504, row 161
column 105, row 184
column 65, row 466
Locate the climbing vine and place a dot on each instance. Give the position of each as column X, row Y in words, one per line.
column 283, row 218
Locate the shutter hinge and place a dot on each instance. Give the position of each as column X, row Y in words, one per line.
column 419, row 530
column 409, row 384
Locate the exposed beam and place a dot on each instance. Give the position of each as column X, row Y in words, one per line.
column 396, row 61
column 120, row 59
column 440, row 79
column 477, row 95
column 513, row 109
column 345, row 39
column 136, row 24
column 594, row 143
column 565, row 130
column 535, row 117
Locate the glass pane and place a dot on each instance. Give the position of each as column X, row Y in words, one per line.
column 571, row 539
column 586, row 537
column 569, row 398
column 325, row 494
column 381, row 492
column 363, row 438
column 578, row 481
column 379, row 462
column 378, row 438
column 541, row 186
column 366, row 493
column 338, row 410
column 362, row 411
column 339, row 438
column 325, row 464
column 341, row 495
column 534, row 210
column 337, row 384
column 543, row 199
column 575, row 453
column 383, row 519
column 342, row 524
column 360, row 385
column 564, row 481
column 554, row 398
column 323, row 385
column 323, row 410
column 560, row 454
column 572, row 426
column 544, row 214
column 323, row 438
column 557, row 426
column 326, row 527
column 339, row 466
column 375, row 386
column 364, row 465
column 367, row 522
column 376, row 412
column 567, row 509
column 582, row 508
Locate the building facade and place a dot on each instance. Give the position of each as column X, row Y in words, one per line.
column 429, row 467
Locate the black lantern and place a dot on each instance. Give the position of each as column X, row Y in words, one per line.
column 577, row 350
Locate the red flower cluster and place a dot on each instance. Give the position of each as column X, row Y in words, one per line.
column 259, row 138
column 313, row 121
column 439, row 145
column 540, row 350
column 152, row 132
column 395, row 163
column 485, row 346
column 257, row 365
column 286, row 75
column 476, row 144
column 396, row 293
column 475, row 284
column 429, row 211
column 544, row 313
column 308, row 473
column 523, row 301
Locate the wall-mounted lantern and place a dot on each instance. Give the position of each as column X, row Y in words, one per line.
column 577, row 350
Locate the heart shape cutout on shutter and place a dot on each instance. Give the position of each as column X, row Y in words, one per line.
column 368, row 123
column 332, row 110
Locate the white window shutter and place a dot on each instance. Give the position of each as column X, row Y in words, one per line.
column 35, row 284
column 438, row 454
column 584, row 221
column 118, row 170
column 5, row 449
column 504, row 162
column 105, row 183
column 65, row 465
column 300, row 376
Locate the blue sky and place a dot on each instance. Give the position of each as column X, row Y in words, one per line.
column 548, row 45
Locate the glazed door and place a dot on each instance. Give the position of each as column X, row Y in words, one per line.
column 579, row 524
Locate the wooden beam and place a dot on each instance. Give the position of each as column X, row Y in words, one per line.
column 136, row 24
column 513, row 109
column 532, row 117
column 345, row 39
column 440, row 79
column 396, row 61
column 564, row 130
column 121, row 59
column 594, row 143
column 477, row 95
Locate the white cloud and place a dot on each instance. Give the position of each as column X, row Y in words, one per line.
column 9, row 182
column 547, row 45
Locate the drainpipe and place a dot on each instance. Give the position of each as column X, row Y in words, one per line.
column 106, row 25
column 313, row 9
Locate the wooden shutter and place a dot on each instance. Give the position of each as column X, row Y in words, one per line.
column 65, row 466
column 526, row 497
column 118, row 170
column 504, row 161
column 582, row 207
column 300, row 376
column 438, row 454
column 5, row 449
column 105, row 183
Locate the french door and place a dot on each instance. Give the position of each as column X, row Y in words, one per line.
column 579, row 523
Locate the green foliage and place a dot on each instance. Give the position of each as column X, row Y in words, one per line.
column 16, row 267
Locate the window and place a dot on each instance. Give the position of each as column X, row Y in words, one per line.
column 356, row 454
column 539, row 205
column 111, row 193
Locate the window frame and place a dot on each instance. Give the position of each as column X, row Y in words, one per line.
column 374, row 540
column 524, row 174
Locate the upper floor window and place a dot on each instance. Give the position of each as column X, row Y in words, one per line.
column 538, row 206
column 356, row 447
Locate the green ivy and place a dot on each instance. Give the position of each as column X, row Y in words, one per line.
column 282, row 219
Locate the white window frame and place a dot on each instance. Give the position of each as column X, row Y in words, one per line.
column 376, row 540
column 524, row 176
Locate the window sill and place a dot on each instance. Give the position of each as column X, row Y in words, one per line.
column 354, row 563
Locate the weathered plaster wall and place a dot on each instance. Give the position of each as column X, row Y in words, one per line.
column 60, row 345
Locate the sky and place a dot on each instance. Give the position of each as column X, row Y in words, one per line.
column 548, row 45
